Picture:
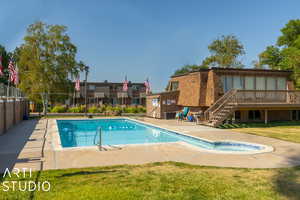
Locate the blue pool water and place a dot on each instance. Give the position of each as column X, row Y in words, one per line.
column 76, row 133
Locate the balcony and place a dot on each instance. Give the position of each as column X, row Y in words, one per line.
column 259, row 98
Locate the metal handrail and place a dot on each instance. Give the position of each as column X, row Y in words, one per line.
column 99, row 130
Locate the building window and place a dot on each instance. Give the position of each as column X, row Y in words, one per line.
column 174, row 86
column 227, row 82
column 281, row 83
column 294, row 114
column 136, row 101
column 253, row 83
column 271, row 83
column 92, row 87
column 136, row 87
column 249, row 83
column 238, row 82
column 232, row 82
column 237, row 115
column 254, row 115
column 260, row 83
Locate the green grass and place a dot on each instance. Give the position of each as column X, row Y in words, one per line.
column 160, row 181
column 289, row 131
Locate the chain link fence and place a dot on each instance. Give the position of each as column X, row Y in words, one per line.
column 6, row 91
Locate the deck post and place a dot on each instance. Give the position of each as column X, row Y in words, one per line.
column 266, row 116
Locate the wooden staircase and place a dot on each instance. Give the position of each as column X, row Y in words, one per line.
column 221, row 109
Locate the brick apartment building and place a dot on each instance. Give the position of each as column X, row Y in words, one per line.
column 99, row 93
column 221, row 94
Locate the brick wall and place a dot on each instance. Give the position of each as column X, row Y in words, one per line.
column 11, row 112
column 189, row 87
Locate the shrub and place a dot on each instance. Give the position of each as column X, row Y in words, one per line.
column 58, row 109
column 129, row 109
column 141, row 109
column 93, row 109
column 102, row 109
column 77, row 109
column 109, row 108
column 118, row 110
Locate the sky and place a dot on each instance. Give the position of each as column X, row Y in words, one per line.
column 142, row 38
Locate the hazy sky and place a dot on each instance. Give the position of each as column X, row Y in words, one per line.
column 149, row 38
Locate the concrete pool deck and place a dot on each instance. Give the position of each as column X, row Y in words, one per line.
column 31, row 144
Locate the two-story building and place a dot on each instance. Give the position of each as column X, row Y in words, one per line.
column 242, row 95
column 99, row 93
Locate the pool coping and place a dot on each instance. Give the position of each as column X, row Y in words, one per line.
column 57, row 146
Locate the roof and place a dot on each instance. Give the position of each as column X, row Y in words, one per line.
column 112, row 83
column 162, row 93
column 200, row 70
column 249, row 69
column 235, row 70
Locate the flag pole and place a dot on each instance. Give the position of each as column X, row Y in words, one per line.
column 74, row 94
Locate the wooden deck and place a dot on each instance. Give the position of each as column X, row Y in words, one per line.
column 251, row 99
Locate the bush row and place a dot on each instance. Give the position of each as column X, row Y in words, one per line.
column 102, row 109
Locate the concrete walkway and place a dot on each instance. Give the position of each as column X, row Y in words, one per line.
column 30, row 144
column 22, row 145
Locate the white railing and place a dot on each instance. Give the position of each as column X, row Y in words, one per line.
column 6, row 91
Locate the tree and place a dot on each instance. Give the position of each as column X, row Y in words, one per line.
column 46, row 62
column 188, row 68
column 290, row 34
column 225, row 52
column 271, row 57
column 5, row 59
column 285, row 55
column 257, row 65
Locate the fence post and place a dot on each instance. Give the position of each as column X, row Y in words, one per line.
column 4, row 114
column 14, row 111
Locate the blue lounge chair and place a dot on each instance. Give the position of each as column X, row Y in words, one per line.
column 182, row 115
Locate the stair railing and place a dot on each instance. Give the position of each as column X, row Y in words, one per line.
column 229, row 99
column 208, row 113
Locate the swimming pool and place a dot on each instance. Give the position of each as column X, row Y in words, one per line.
column 79, row 133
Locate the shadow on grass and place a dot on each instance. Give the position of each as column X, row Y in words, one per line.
column 287, row 180
column 86, row 173
column 259, row 125
column 287, row 183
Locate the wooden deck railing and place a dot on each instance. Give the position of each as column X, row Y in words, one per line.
column 267, row 96
column 237, row 97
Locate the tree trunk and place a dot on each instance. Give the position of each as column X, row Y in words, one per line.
column 45, row 103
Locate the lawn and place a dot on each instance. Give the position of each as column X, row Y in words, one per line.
column 289, row 131
column 161, row 181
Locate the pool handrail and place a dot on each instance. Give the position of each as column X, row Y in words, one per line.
column 99, row 143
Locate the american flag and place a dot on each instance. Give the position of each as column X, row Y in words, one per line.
column 77, row 84
column 12, row 72
column 125, row 85
column 1, row 67
column 147, row 85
